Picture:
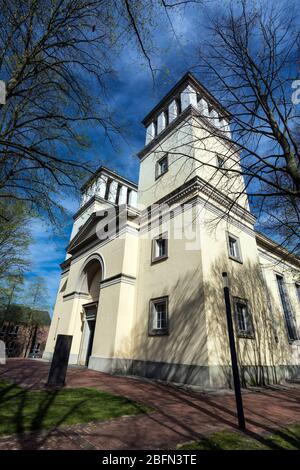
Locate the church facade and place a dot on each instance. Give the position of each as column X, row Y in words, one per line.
column 141, row 289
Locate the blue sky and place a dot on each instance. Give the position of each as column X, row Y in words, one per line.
column 132, row 94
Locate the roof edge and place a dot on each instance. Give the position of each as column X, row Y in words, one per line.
column 187, row 77
column 111, row 173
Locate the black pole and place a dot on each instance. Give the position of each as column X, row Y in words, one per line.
column 234, row 363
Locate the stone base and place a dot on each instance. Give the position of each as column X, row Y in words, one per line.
column 73, row 359
column 202, row 376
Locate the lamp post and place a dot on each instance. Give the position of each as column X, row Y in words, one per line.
column 234, row 363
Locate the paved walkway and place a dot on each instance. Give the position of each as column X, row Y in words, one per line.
column 178, row 415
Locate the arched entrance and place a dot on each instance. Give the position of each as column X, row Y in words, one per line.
column 91, row 276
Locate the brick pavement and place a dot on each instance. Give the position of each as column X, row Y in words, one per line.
column 178, row 415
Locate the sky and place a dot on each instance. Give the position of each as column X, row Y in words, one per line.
column 132, row 94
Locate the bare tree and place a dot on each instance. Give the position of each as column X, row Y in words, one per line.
column 249, row 61
column 252, row 64
column 56, row 57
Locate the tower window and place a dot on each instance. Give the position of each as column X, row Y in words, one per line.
column 178, row 105
column 118, row 194
column 128, row 196
column 243, row 319
column 108, row 183
column 298, row 291
column 234, row 249
column 162, row 166
column 160, row 248
column 158, row 317
column 287, row 310
column 166, row 116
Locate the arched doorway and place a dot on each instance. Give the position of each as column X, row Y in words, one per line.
column 91, row 276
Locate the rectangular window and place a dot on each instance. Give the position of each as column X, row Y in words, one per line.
column 108, row 183
column 220, row 162
column 3, row 329
column 158, row 318
column 118, row 194
column 243, row 319
column 234, row 249
column 128, row 196
column 162, row 166
column 286, row 306
column 166, row 116
column 178, row 105
column 298, row 291
column 160, row 248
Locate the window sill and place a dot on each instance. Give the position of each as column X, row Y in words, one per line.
column 238, row 260
column 245, row 335
column 158, row 333
column 294, row 342
column 158, row 260
column 159, row 176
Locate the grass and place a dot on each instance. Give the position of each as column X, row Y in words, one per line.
column 284, row 439
column 24, row 410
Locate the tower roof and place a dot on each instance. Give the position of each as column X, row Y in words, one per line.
column 112, row 173
column 188, row 78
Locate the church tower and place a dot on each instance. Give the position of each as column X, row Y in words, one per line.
column 188, row 135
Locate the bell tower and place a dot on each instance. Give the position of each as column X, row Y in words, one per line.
column 187, row 135
column 103, row 190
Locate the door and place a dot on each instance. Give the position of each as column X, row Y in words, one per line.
column 90, row 311
column 91, row 327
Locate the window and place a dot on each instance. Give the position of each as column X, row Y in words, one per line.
column 220, row 162
column 288, row 313
column 158, row 318
column 178, row 105
column 118, row 194
column 10, row 348
column 108, row 183
column 160, row 248
column 162, row 166
column 3, row 329
column 166, row 116
column 14, row 330
column 234, row 248
column 128, row 197
column 243, row 320
column 155, row 128
column 35, row 350
column 298, row 291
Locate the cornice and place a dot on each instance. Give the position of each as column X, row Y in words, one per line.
column 90, row 202
column 277, row 250
column 121, row 277
column 112, row 174
column 190, row 111
column 75, row 294
column 200, row 185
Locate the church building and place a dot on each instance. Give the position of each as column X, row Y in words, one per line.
column 141, row 289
